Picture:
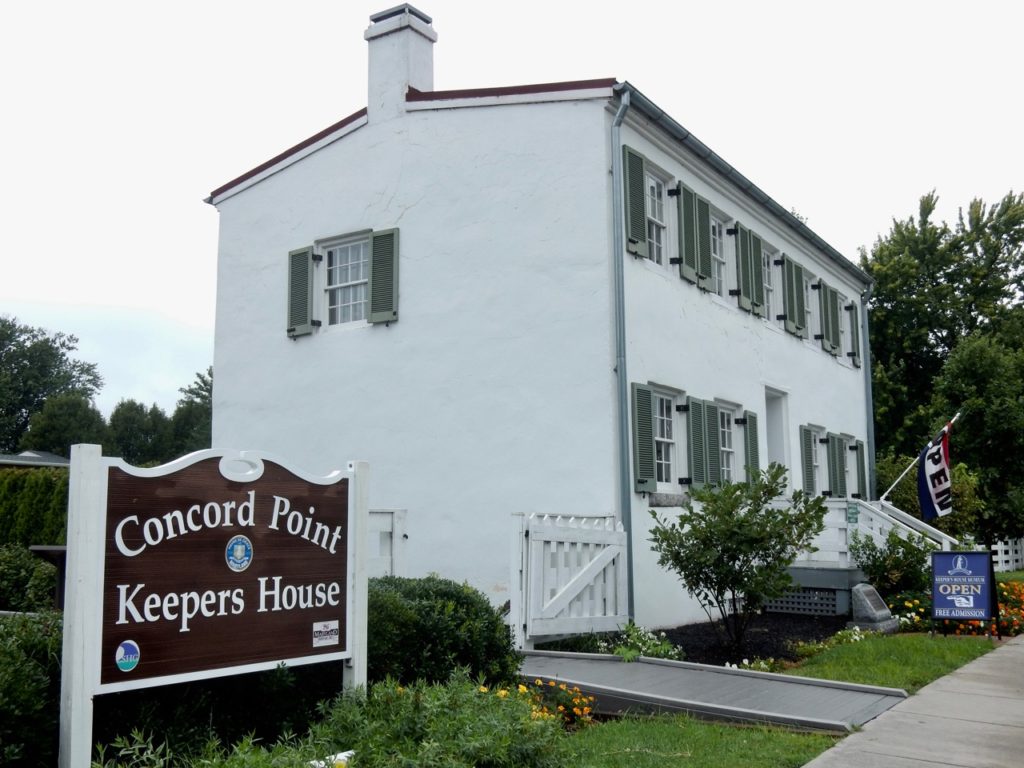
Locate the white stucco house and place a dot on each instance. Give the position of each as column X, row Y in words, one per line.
column 543, row 299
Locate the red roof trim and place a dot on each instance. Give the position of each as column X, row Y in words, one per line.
column 289, row 152
column 511, row 90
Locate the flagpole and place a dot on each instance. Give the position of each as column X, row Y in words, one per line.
column 913, row 464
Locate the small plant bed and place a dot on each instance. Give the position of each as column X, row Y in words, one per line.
column 769, row 636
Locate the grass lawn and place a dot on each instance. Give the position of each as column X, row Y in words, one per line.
column 1010, row 576
column 908, row 661
column 656, row 742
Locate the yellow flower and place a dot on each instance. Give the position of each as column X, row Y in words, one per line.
column 502, row 693
column 522, row 688
column 483, row 689
column 538, row 681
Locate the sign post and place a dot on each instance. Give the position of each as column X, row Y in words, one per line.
column 963, row 587
column 215, row 564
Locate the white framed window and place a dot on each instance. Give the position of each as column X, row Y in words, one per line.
column 816, row 437
column 657, row 231
column 347, row 280
column 717, row 256
column 664, row 437
column 725, row 445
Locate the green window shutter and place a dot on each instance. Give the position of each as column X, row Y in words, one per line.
column 825, row 317
column 789, row 295
column 643, row 439
column 834, row 337
column 757, row 275
column 862, row 481
column 807, row 460
column 383, row 277
column 743, row 276
column 696, row 443
column 837, row 465
column 634, row 178
column 854, row 352
column 750, row 446
column 801, row 301
column 713, row 442
column 300, row 292
column 687, row 208
column 703, row 244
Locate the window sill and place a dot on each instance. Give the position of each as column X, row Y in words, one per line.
column 667, row 499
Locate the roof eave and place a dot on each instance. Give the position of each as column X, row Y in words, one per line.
column 658, row 116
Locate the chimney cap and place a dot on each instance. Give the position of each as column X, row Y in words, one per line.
column 399, row 10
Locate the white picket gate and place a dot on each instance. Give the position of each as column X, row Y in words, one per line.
column 571, row 576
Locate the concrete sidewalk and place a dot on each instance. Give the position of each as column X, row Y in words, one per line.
column 973, row 717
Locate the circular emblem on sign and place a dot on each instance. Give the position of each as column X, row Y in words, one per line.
column 127, row 656
column 238, row 554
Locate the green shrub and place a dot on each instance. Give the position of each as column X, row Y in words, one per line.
column 900, row 565
column 30, row 649
column 732, row 544
column 425, row 629
column 459, row 723
column 27, row 583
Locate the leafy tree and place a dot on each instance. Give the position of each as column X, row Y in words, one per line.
column 139, row 435
column 64, row 420
column 193, row 416
column 732, row 551
column 984, row 380
column 898, row 565
column 35, row 365
column 934, row 286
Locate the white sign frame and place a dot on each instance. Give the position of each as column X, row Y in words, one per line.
column 86, row 547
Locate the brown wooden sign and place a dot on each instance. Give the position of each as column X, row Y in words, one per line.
column 205, row 573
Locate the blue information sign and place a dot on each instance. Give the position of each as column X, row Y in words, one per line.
column 962, row 585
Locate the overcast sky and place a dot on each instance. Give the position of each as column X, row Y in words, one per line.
column 121, row 116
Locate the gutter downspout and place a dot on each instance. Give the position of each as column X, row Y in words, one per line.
column 865, row 341
column 622, row 382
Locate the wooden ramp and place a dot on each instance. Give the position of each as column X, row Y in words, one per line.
column 716, row 693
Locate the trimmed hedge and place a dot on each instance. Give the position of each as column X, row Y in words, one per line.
column 33, row 505
column 426, row 629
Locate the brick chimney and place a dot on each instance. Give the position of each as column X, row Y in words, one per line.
column 401, row 43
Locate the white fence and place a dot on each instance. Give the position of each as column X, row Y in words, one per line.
column 1008, row 555
column 568, row 576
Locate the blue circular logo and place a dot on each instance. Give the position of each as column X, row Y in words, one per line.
column 238, row 554
column 127, row 656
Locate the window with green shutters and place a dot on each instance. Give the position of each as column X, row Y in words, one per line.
column 816, row 443
column 828, row 312
column 686, row 208
column 359, row 281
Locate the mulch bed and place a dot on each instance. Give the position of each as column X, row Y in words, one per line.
column 768, row 635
